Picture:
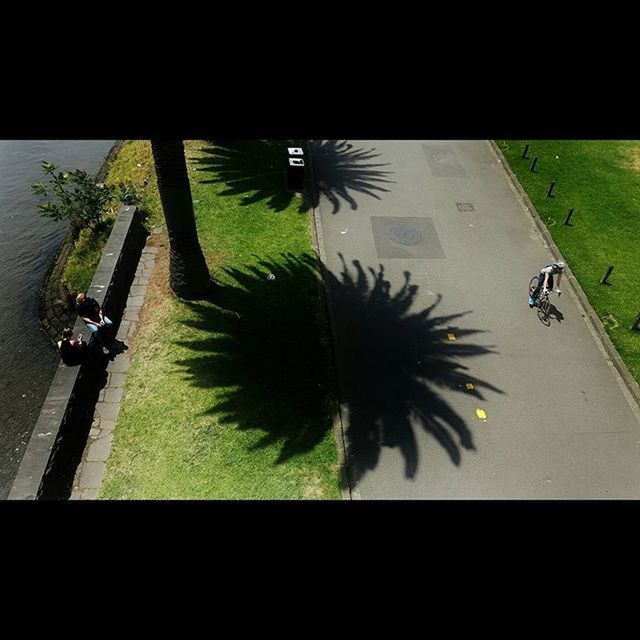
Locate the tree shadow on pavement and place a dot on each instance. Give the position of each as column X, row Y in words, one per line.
column 393, row 361
column 262, row 345
column 340, row 171
column 257, row 170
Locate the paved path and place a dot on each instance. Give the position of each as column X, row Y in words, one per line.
column 90, row 471
column 559, row 423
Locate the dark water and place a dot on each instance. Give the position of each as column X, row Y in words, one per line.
column 28, row 243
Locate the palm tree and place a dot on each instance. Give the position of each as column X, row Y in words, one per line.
column 188, row 273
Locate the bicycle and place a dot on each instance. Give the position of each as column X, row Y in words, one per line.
column 542, row 301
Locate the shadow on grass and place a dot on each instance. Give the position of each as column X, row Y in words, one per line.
column 262, row 346
column 257, row 169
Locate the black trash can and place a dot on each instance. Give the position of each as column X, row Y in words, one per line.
column 295, row 169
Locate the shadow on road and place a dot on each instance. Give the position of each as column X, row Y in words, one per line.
column 257, row 169
column 341, row 171
column 394, row 360
column 261, row 345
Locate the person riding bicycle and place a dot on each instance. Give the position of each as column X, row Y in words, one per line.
column 545, row 280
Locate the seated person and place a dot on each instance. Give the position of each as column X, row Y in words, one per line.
column 93, row 315
column 72, row 351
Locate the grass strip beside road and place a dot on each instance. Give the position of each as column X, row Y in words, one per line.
column 227, row 399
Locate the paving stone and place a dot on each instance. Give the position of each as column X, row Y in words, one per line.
column 76, row 494
column 153, row 250
column 123, row 329
column 116, row 380
column 108, row 410
column 143, row 280
column 132, row 314
column 113, row 395
column 92, row 474
column 99, row 450
column 94, row 432
column 101, row 395
column 90, row 494
column 120, row 365
column 107, row 426
column 147, row 273
column 135, row 301
column 138, row 290
column 132, row 329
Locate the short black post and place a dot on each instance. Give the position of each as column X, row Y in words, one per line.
column 550, row 190
column 606, row 276
column 636, row 323
column 534, row 163
column 524, row 153
column 568, row 218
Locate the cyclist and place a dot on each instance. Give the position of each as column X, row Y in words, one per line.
column 545, row 280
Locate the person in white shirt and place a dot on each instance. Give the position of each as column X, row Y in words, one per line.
column 545, row 280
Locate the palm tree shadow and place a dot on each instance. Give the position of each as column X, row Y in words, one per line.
column 340, row 171
column 252, row 168
column 256, row 170
column 261, row 346
column 393, row 360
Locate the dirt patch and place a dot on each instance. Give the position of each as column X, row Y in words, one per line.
column 313, row 490
column 632, row 158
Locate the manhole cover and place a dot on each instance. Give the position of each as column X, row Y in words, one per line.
column 404, row 234
column 464, row 206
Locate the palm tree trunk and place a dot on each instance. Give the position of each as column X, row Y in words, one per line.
column 189, row 275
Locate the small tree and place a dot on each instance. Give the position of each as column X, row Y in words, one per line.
column 76, row 196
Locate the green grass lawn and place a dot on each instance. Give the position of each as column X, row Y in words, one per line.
column 600, row 179
column 228, row 398
column 85, row 256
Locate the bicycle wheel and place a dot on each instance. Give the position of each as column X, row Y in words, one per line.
column 543, row 309
column 532, row 285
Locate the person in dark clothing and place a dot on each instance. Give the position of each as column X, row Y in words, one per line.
column 93, row 315
column 73, row 351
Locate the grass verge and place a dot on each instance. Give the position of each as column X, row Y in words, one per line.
column 228, row 398
column 133, row 163
column 599, row 179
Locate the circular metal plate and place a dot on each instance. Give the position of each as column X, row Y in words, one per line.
column 404, row 234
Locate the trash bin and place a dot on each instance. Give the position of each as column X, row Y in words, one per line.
column 295, row 174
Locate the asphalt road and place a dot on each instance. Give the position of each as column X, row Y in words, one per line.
column 443, row 223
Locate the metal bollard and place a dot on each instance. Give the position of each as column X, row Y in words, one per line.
column 606, row 276
column 568, row 218
column 533, row 164
column 524, row 153
column 550, row 190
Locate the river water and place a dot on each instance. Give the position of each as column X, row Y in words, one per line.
column 28, row 243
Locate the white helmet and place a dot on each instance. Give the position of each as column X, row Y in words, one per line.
column 560, row 264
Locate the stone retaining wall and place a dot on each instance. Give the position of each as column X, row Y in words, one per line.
column 60, row 434
column 56, row 305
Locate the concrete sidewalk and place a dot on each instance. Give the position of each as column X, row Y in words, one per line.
column 439, row 222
